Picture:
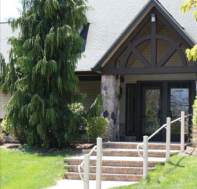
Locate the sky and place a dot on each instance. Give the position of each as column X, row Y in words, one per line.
column 9, row 9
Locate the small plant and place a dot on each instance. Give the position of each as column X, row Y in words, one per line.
column 1, row 138
column 96, row 127
column 194, row 121
column 96, row 108
column 6, row 128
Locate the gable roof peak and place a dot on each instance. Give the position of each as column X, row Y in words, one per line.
column 144, row 11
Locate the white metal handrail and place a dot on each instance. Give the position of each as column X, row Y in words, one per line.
column 158, row 130
column 81, row 165
column 165, row 125
column 138, row 151
column 85, row 165
column 144, row 144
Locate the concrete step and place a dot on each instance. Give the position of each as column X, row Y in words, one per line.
column 110, row 169
column 133, row 145
column 116, row 161
column 130, row 152
column 107, row 177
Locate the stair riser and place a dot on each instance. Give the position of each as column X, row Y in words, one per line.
column 134, row 146
column 128, row 154
column 113, row 163
column 107, row 177
column 112, row 170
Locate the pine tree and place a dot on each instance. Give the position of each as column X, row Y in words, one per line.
column 40, row 72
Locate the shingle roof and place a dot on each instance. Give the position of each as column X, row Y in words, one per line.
column 108, row 19
column 111, row 17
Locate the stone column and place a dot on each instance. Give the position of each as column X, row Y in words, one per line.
column 110, row 89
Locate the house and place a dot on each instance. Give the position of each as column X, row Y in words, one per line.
column 134, row 54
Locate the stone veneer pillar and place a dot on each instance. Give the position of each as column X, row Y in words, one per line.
column 110, row 89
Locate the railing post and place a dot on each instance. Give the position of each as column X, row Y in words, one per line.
column 86, row 171
column 145, row 157
column 99, row 163
column 182, row 131
column 168, row 139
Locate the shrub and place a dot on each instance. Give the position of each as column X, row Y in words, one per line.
column 96, row 127
column 76, row 123
column 1, row 136
column 96, row 108
column 6, row 128
column 194, row 121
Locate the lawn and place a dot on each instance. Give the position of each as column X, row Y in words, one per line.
column 29, row 170
column 180, row 173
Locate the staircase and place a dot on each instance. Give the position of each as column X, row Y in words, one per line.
column 120, row 161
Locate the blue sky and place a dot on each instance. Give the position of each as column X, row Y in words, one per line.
column 9, row 8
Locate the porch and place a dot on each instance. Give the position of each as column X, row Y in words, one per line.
column 167, row 95
column 144, row 78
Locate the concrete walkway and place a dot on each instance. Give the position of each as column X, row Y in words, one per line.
column 78, row 184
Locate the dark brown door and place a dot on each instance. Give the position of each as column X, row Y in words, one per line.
column 131, row 110
column 179, row 100
column 159, row 100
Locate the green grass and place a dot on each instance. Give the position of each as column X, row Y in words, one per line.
column 29, row 170
column 180, row 173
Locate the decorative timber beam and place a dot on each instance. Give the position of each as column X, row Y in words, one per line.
column 153, row 40
column 169, row 54
column 142, row 39
column 130, row 47
column 133, row 35
column 153, row 37
column 182, row 55
column 135, row 45
column 139, row 55
column 159, row 70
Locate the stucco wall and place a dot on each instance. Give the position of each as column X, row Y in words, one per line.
column 91, row 89
column 3, row 101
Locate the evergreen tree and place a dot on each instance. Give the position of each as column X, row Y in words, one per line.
column 40, row 72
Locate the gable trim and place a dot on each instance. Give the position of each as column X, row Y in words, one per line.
column 133, row 25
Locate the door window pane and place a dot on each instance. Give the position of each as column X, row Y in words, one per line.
column 151, row 110
column 179, row 101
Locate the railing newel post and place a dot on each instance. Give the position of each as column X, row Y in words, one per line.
column 145, row 157
column 168, row 139
column 99, row 163
column 86, row 171
column 182, row 131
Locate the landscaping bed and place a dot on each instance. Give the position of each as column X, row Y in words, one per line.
column 190, row 151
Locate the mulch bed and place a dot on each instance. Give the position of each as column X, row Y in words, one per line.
column 11, row 145
column 190, row 151
column 74, row 149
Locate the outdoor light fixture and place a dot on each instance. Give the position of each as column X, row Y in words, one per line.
column 153, row 18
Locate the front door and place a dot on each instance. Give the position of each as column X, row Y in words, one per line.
column 179, row 100
column 159, row 100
